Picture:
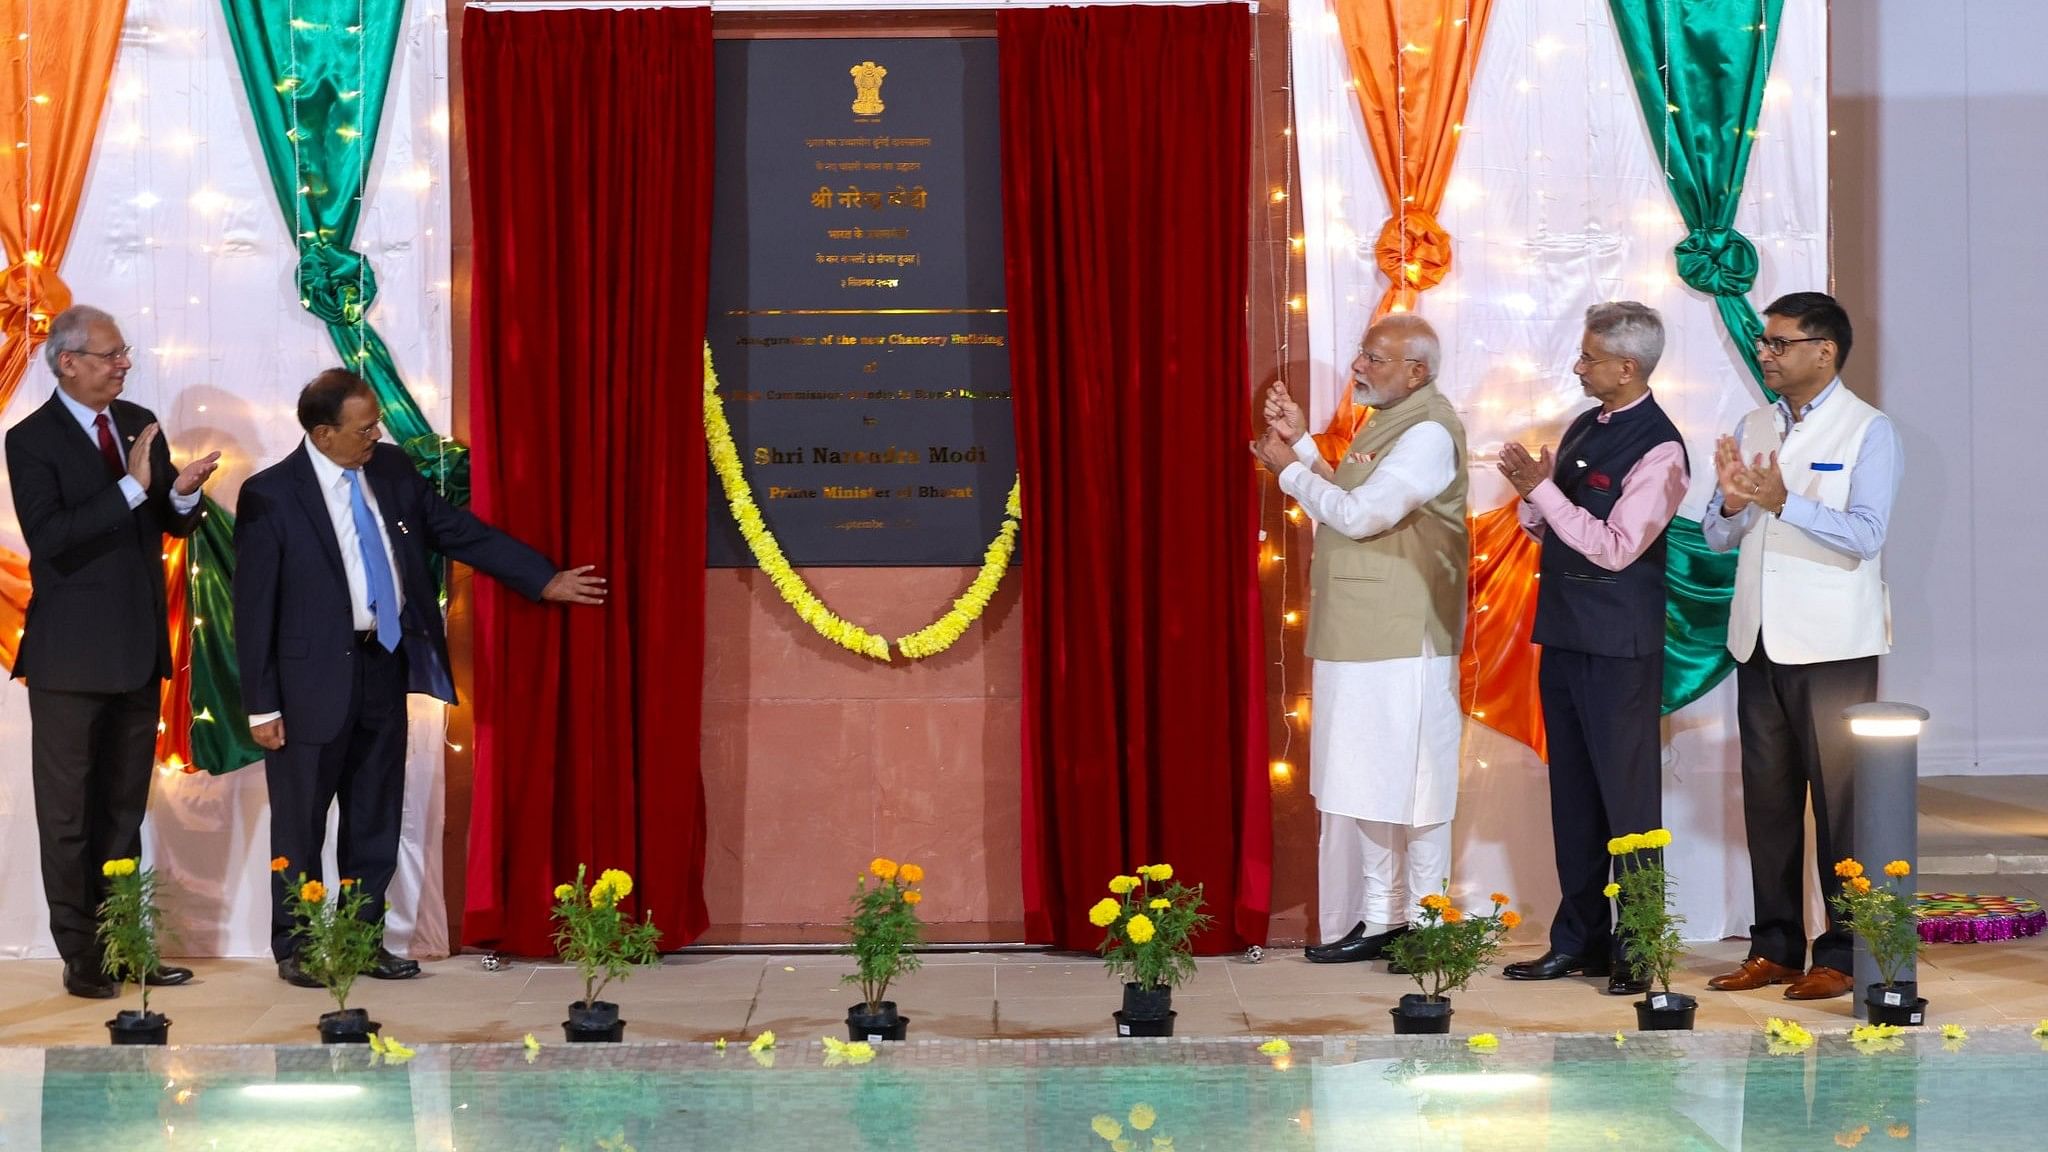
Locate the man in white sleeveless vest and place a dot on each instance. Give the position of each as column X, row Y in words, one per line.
column 1805, row 491
column 1386, row 623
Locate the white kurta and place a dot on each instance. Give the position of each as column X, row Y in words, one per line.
column 1384, row 734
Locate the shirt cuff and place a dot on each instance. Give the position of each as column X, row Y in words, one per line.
column 1547, row 498
column 259, row 721
column 1305, row 449
column 1290, row 478
column 1798, row 510
column 183, row 504
column 133, row 491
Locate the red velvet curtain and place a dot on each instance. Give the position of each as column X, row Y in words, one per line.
column 590, row 138
column 1126, row 137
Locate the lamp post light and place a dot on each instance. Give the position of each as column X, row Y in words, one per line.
column 1887, row 803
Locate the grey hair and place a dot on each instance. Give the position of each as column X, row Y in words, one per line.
column 1418, row 340
column 1630, row 330
column 69, row 333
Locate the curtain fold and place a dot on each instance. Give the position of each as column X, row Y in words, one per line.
column 590, row 152
column 1411, row 65
column 1125, row 146
column 1497, row 672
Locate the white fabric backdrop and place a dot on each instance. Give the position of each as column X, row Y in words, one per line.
column 181, row 238
column 1557, row 201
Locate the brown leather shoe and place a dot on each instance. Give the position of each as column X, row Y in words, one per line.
column 1756, row 972
column 1820, row 984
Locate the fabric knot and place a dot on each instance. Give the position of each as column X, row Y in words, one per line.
column 335, row 284
column 30, row 297
column 1413, row 250
column 1717, row 261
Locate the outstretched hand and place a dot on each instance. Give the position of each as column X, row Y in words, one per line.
column 575, row 586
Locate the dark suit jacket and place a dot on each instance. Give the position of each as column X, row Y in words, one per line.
column 96, row 619
column 294, row 624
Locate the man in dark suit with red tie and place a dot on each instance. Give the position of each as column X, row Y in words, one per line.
column 336, row 619
column 95, row 492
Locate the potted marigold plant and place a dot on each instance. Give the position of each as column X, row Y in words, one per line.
column 1148, row 919
column 604, row 944
column 337, row 944
column 1883, row 917
column 129, row 920
column 882, row 929
column 1649, row 928
column 1442, row 954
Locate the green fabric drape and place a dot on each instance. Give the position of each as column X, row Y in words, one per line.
column 1700, row 68
column 1699, row 583
column 316, row 72
column 220, row 726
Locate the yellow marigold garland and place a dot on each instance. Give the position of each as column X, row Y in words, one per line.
column 930, row 640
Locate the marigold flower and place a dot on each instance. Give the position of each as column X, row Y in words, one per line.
column 913, row 897
column 1142, row 1116
column 1859, row 884
column 347, row 882
column 1500, row 898
column 883, row 868
column 122, row 867
column 1162, row 872
column 620, row 883
column 1897, row 868
column 1161, row 902
column 1122, row 885
column 910, row 874
column 1511, row 920
column 564, row 891
column 1611, row 891
column 1105, row 912
column 1139, row 929
column 1452, row 915
column 1436, row 902
column 1848, row 869
column 1122, row 1144
column 1614, row 847
column 1106, row 1127
column 279, row 864
column 312, row 892
column 1482, row 1042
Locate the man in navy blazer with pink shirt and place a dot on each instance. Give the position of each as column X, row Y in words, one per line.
column 1600, row 508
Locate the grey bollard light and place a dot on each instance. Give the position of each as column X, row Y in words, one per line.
column 1887, row 805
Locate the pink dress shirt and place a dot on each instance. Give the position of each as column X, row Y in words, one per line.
column 1650, row 495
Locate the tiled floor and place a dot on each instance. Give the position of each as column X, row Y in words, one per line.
column 982, row 995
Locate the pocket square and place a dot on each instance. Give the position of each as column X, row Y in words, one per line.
column 1820, row 467
column 1600, row 480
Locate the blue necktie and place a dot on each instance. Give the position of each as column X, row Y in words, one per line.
column 383, row 591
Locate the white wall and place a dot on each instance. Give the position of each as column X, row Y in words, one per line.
column 1940, row 165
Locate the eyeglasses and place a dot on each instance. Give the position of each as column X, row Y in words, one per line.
column 1589, row 361
column 120, row 353
column 370, row 433
column 1776, row 345
column 1379, row 361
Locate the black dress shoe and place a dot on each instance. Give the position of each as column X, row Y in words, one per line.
column 1364, row 948
column 1317, row 952
column 389, row 967
column 1622, row 984
column 88, row 983
column 1554, row 964
column 289, row 971
column 168, row 976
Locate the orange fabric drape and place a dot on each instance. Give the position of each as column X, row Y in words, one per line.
column 1411, row 64
column 59, row 60
column 1497, row 672
column 174, row 706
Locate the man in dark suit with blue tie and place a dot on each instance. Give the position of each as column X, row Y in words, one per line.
column 95, row 492
column 336, row 619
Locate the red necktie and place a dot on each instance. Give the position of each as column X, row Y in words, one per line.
column 115, row 465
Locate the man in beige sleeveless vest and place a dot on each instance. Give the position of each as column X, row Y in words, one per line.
column 1805, row 493
column 1386, row 623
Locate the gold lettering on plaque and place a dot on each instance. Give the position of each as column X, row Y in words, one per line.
column 867, row 88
